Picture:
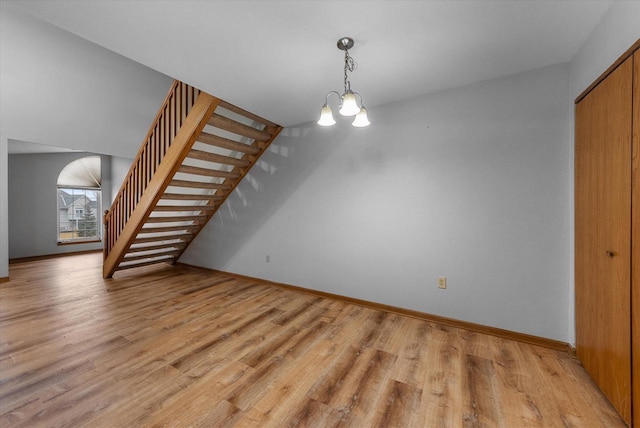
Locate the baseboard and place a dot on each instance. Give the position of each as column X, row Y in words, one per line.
column 4, row 279
column 51, row 256
column 478, row 328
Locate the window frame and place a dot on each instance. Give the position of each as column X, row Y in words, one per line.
column 77, row 178
column 81, row 239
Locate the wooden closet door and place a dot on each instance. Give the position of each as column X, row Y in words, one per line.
column 603, row 232
column 635, row 241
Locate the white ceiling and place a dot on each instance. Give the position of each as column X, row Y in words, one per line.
column 279, row 58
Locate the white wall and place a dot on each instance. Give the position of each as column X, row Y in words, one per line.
column 4, row 210
column 471, row 183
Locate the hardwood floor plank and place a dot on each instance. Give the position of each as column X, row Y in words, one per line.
column 331, row 379
column 414, row 347
column 180, row 346
column 314, row 414
column 482, row 398
column 285, row 403
column 354, row 399
column 398, row 406
column 442, row 390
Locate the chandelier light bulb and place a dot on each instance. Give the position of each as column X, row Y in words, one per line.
column 349, row 104
column 326, row 116
column 361, row 119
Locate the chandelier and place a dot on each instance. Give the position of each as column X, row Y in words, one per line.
column 348, row 103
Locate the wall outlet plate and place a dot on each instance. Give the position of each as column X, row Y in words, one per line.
column 442, row 282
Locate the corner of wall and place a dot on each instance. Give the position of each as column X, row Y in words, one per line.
column 615, row 33
column 4, row 209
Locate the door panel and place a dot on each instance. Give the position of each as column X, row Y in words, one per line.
column 603, row 230
column 635, row 241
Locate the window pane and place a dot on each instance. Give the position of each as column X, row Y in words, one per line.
column 78, row 214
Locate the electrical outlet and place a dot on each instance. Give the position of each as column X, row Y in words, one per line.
column 442, row 282
column 267, row 258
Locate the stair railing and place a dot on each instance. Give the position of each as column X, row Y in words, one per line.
column 173, row 112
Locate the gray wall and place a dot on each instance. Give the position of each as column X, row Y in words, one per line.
column 33, row 203
column 471, row 183
column 119, row 169
column 4, row 211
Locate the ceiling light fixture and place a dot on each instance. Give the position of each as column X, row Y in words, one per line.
column 348, row 101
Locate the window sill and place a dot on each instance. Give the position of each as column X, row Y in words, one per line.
column 92, row 241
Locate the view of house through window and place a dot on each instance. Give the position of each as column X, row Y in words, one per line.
column 78, row 213
column 79, row 201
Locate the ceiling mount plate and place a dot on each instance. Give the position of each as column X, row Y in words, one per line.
column 345, row 43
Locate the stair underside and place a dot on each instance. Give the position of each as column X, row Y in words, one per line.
column 229, row 145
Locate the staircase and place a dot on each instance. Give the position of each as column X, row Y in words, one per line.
column 196, row 152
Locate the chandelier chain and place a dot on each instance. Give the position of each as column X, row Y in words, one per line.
column 349, row 66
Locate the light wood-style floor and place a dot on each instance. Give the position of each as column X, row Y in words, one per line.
column 179, row 346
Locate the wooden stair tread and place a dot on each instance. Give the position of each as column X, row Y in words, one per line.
column 144, row 263
column 195, row 170
column 193, row 208
column 199, row 184
column 168, row 228
column 165, row 254
column 232, row 126
column 141, row 248
column 246, row 114
column 184, row 237
column 225, row 143
column 176, row 219
column 216, row 158
column 188, row 197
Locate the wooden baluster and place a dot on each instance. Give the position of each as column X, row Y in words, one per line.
column 165, row 131
column 120, row 217
column 105, row 239
column 143, row 165
column 140, row 181
column 145, row 168
column 125, row 201
column 158, row 142
column 180, row 118
column 149, row 160
column 131, row 190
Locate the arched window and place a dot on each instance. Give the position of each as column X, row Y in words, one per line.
column 80, row 200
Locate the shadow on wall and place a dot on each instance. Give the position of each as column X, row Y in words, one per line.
column 286, row 164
